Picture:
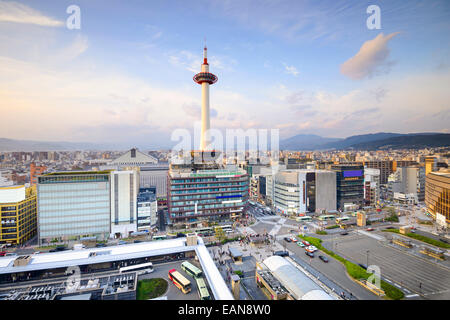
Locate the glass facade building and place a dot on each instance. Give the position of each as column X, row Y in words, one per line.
column 211, row 195
column 349, row 185
column 73, row 204
column 437, row 195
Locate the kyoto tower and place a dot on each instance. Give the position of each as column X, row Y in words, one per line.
column 205, row 78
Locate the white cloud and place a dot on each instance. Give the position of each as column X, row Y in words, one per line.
column 15, row 12
column 291, row 70
column 370, row 59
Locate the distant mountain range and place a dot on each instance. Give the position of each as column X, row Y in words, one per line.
column 29, row 145
column 373, row 141
column 299, row 142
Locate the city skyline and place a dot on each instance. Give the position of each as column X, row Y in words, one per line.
column 125, row 75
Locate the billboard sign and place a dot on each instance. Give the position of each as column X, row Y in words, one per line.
column 352, row 173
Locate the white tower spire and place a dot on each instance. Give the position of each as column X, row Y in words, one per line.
column 205, row 78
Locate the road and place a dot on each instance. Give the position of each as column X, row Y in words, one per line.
column 334, row 271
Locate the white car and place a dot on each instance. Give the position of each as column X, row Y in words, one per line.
column 312, row 248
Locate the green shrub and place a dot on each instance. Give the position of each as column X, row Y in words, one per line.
column 150, row 288
column 321, row 232
column 422, row 238
column 332, row 227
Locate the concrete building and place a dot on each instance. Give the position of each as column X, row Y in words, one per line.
column 124, row 192
column 437, row 196
column 18, row 214
column 74, row 204
column 371, row 186
column 300, row 191
column 147, row 209
column 349, row 185
column 407, row 183
column 36, row 171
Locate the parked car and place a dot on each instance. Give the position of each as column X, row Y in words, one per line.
column 9, row 254
column 309, row 249
column 306, row 243
column 100, row 245
column 300, row 244
column 287, row 239
column 281, row 253
column 344, row 233
column 294, row 239
column 137, row 241
column 61, row 248
column 2, row 253
column 313, row 248
column 370, row 229
column 323, row 258
column 122, row 242
column 180, row 235
column 310, row 254
column 362, row 266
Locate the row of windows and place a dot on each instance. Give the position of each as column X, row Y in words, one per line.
column 204, row 180
column 193, row 191
column 201, row 208
column 73, row 232
column 64, row 220
column 51, row 196
column 211, row 196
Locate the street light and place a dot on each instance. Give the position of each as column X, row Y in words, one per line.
column 367, row 258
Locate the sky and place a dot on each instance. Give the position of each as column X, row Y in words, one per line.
column 302, row 67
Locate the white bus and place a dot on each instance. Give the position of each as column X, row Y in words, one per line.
column 304, row 219
column 142, row 268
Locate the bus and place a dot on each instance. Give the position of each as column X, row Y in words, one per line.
column 340, row 219
column 326, row 217
column 207, row 231
column 161, row 237
column 191, row 270
column 304, row 219
column 142, row 268
column 179, row 281
column 203, row 292
column 225, row 228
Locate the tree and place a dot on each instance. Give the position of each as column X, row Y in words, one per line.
column 220, row 234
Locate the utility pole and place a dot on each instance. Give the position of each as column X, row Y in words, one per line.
column 367, row 258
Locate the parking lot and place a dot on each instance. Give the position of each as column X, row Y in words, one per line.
column 173, row 293
column 415, row 274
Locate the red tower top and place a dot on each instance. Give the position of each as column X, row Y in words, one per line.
column 205, row 76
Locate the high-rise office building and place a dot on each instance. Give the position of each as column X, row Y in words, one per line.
column 303, row 190
column 437, row 196
column 147, row 208
column 206, row 195
column 349, row 185
column 18, row 214
column 74, row 204
column 124, row 192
